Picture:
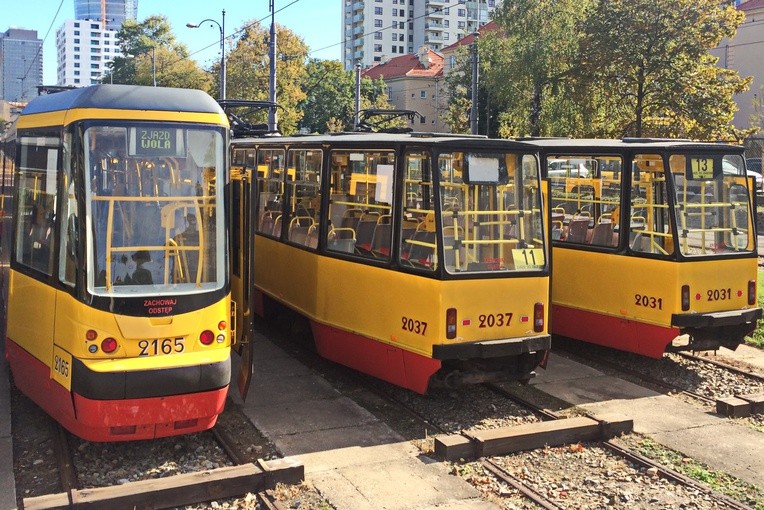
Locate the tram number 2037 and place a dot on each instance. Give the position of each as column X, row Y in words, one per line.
column 494, row 320
column 413, row 325
column 164, row 346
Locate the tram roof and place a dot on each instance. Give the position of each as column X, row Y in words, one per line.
column 125, row 97
column 628, row 144
column 380, row 139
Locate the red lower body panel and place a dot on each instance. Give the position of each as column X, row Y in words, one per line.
column 616, row 332
column 113, row 420
column 383, row 361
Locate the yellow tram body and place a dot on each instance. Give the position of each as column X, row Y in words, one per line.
column 655, row 249
column 119, row 308
column 420, row 260
column 356, row 298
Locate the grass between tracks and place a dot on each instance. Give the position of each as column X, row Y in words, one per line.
column 720, row 482
column 757, row 338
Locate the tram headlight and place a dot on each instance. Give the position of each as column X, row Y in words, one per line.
column 538, row 317
column 685, row 298
column 207, row 337
column 751, row 292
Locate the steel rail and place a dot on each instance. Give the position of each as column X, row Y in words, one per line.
column 66, row 471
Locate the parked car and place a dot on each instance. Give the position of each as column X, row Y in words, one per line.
column 753, row 164
column 753, row 169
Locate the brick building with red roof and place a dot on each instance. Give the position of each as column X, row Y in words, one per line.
column 415, row 82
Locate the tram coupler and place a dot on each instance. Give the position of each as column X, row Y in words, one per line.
column 710, row 339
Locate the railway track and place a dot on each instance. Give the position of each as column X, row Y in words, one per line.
column 628, row 460
column 696, row 377
column 143, row 484
column 646, row 464
column 748, row 372
column 417, row 417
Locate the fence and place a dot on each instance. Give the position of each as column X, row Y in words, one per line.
column 754, row 146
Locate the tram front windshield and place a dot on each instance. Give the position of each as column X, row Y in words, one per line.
column 154, row 219
column 713, row 206
column 491, row 212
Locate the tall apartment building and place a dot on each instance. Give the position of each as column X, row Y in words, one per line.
column 86, row 45
column 377, row 30
column 20, row 64
column 115, row 12
column 84, row 52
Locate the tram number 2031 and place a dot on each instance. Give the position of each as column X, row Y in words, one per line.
column 719, row 294
column 648, row 301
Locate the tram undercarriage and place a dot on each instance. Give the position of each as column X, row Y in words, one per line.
column 458, row 373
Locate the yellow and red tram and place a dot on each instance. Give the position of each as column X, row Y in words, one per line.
column 418, row 259
column 654, row 243
column 119, row 305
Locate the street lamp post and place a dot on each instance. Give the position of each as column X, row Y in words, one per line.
column 272, row 114
column 222, row 49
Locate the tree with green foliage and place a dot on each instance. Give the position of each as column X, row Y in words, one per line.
column 248, row 70
column 649, row 61
column 527, row 73
column 528, row 64
column 329, row 103
column 491, row 105
column 149, row 49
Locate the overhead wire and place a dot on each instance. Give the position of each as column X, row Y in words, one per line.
column 238, row 31
column 39, row 49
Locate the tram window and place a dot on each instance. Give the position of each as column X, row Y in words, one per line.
column 361, row 205
column 304, row 195
column 492, row 224
column 37, row 182
column 417, row 228
column 712, row 204
column 650, row 228
column 153, row 212
column 270, row 179
column 586, row 198
column 243, row 158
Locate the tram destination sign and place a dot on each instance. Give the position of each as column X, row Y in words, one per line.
column 701, row 168
column 154, row 141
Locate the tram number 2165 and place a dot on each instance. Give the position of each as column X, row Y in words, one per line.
column 61, row 366
column 161, row 346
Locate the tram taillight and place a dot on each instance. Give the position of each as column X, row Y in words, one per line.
column 451, row 323
column 685, row 298
column 751, row 292
column 538, row 317
column 108, row 345
column 207, row 337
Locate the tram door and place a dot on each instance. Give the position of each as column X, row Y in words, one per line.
column 242, row 216
column 35, row 246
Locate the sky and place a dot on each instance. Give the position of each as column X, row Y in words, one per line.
column 318, row 22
